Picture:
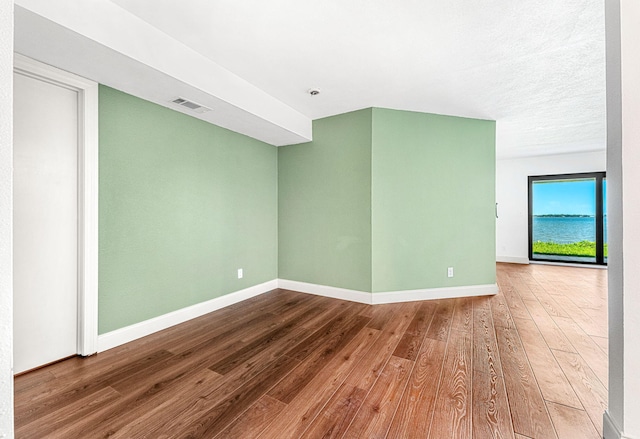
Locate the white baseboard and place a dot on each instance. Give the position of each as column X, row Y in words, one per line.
column 390, row 296
column 512, row 259
column 435, row 293
column 610, row 429
column 147, row 327
column 326, row 291
column 569, row 264
column 142, row 329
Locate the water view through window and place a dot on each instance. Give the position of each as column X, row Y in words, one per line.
column 567, row 218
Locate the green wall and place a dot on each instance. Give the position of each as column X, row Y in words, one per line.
column 183, row 204
column 385, row 200
column 381, row 200
column 324, row 209
column 433, row 201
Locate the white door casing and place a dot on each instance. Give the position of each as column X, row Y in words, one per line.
column 85, row 93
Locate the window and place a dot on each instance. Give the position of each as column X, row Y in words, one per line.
column 567, row 218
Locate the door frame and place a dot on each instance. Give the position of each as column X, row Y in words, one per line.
column 87, row 90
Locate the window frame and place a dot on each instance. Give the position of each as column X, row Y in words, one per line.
column 599, row 215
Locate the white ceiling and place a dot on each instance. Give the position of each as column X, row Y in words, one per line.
column 537, row 67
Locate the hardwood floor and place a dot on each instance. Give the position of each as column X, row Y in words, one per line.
column 530, row 362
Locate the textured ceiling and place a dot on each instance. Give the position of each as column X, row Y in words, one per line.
column 535, row 66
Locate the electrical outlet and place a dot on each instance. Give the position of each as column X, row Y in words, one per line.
column 450, row 272
column 240, row 273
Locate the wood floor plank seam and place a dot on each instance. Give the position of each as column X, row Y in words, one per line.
column 550, row 377
column 416, row 409
column 404, row 389
column 495, row 329
column 406, row 386
column 496, row 413
column 413, row 366
column 527, row 355
column 524, row 420
column 364, row 394
column 381, row 366
column 294, row 426
column 368, row 391
column 586, row 388
column 446, row 349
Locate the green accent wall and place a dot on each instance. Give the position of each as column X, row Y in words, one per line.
column 385, row 200
column 433, row 201
column 183, row 204
column 380, row 200
column 324, row 208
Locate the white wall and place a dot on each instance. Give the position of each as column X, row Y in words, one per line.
column 6, row 165
column 613, row 419
column 630, row 17
column 512, row 195
column 622, row 419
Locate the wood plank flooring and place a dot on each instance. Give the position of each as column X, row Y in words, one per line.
column 530, row 362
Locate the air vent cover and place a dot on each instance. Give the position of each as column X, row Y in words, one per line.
column 191, row 105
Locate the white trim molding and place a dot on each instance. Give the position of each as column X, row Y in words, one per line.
column 142, row 329
column 147, row 327
column 610, row 428
column 389, row 296
column 512, row 259
column 88, row 209
column 87, row 192
column 570, row 264
column 434, row 293
column 326, row 291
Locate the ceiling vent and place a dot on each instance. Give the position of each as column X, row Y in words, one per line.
column 191, row 105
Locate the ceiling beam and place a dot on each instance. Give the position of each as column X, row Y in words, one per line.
column 101, row 41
